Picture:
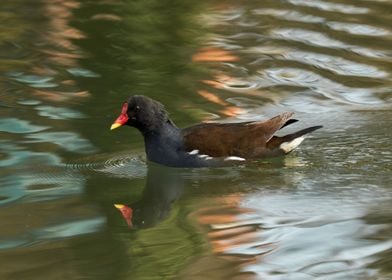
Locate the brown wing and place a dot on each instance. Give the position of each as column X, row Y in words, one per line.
column 247, row 139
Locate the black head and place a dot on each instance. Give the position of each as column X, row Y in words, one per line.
column 143, row 113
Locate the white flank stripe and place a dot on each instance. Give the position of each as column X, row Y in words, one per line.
column 289, row 146
column 234, row 158
column 194, row 152
column 205, row 157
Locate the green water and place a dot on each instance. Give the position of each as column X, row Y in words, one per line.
column 322, row 212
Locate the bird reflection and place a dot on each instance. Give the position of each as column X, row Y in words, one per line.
column 164, row 186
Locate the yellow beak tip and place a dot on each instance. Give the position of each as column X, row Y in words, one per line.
column 115, row 125
column 119, row 206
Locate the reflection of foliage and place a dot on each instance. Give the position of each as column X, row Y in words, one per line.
column 12, row 27
column 36, row 48
column 155, row 37
column 147, row 52
column 162, row 251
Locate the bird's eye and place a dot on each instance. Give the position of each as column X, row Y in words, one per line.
column 137, row 108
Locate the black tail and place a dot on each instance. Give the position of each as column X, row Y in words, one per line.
column 297, row 134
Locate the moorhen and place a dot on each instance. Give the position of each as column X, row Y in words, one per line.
column 206, row 144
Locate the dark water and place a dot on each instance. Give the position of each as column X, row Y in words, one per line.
column 323, row 212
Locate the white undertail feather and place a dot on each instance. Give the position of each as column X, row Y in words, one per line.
column 289, row 146
column 194, row 152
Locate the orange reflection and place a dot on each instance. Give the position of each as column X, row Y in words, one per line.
column 230, row 234
column 59, row 96
column 227, row 229
column 59, row 51
column 212, row 97
column 59, row 13
column 211, row 54
column 219, row 81
column 229, row 110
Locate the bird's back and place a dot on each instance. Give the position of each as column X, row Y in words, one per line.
column 244, row 139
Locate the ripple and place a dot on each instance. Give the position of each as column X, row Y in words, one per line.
column 243, row 102
column 70, row 229
column 336, row 64
column 29, row 79
column 58, row 113
column 323, row 86
column 239, row 85
column 119, row 166
column 22, row 186
column 321, row 40
column 307, row 36
column 330, row 7
column 321, row 235
column 293, row 76
column 55, row 232
column 8, row 244
column 289, row 15
column 17, row 156
column 44, row 85
column 298, row 235
column 12, row 125
column 358, row 29
column 81, row 72
column 327, row 267
column 37, row 177
column 29, row 102
column 69, row 141
column 229, row 15
column 33, row 80
column 361, row 156
column 306, row 104
column 27, row 172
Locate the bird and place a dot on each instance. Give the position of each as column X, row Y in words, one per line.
column 207, row 144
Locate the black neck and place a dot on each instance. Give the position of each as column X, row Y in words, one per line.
column 164, row 129
column 163, row 143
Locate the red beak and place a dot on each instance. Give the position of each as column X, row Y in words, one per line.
column 122, row 118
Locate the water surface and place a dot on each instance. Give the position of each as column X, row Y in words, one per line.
column 323, row 212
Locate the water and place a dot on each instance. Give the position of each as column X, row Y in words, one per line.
column 323, row 212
